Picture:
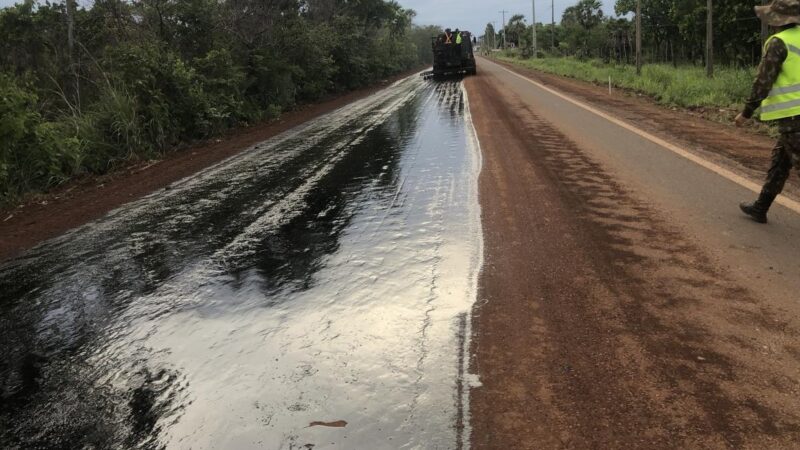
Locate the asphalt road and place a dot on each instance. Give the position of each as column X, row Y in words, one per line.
column 696, row 199
column 388, row 276
column 625, row 302
column 312, row 291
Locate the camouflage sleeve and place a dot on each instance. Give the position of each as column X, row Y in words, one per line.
column 768, row 71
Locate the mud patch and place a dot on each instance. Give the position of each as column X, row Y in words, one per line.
column 334, row 424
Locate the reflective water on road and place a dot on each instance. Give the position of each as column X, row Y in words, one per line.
column 313, row 292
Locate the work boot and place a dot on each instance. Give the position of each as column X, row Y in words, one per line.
column 758, row 209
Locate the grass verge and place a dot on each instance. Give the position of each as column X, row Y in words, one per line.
column 685, row 86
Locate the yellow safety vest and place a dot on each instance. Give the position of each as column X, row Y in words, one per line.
column 784, row 98
column 458, row 38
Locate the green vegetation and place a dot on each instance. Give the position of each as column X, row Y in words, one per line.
column 684, row 86
column 590, row 46
column 136, row 78
column 673, row 31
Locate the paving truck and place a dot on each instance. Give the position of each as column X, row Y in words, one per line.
column 453, row 55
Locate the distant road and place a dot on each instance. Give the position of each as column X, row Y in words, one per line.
column 626, row 303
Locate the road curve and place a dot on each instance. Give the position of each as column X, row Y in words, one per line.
column 624, row 301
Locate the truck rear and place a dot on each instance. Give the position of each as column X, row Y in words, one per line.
column 453, row 54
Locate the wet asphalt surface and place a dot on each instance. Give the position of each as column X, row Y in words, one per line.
column 312, row 292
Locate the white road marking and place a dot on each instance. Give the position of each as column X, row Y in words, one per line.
column 721, row 171
column 469, row 379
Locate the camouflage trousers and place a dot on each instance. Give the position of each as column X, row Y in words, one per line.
column 785, row 155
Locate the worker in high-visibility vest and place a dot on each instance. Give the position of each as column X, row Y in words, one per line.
column 458, row 37
column 776, row 91
column 448, row 36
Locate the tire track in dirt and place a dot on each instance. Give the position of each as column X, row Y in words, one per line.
column 601, row 325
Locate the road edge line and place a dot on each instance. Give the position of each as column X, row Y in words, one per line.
column 686, row 154
column 470, row 380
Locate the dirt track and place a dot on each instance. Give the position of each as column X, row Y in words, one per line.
column 601, row 322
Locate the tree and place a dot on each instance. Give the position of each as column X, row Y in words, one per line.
column 675, row 30
column 490, row 36
column 156, row 73
column 580, row 23
column 586, row 13
column 515, row 29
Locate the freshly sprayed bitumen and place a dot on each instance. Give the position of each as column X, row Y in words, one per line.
column 314, row 290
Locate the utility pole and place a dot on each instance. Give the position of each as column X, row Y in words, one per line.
column 638, row 37
column 71, row 48
column 70, row 27
column 553, row 25
column 503, row 12
column 710, row 41
column 533, row 26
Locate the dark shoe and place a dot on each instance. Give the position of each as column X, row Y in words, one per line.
column 755, row 211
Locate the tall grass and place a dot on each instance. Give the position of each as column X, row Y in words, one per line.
column 684, row 86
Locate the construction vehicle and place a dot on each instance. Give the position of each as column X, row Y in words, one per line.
column 451, row 57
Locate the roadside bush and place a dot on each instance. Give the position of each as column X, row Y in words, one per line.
column 34, row 154
column 351, row 55
column 309, row 62
column 144, row 77
column 221, row 79
column 111, row 131
column 269, row 86
column 172, row 104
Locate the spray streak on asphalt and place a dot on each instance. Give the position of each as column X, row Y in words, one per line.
column 324, row 276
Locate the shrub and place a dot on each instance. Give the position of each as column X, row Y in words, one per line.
column 220, row 80
column 111, row 131
column 145, row 77
column 34, row 154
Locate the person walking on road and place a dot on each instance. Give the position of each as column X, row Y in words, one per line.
column 776, row 91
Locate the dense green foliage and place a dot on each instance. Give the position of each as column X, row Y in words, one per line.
column 673, row 31
column 685, row 86
column 143, row 76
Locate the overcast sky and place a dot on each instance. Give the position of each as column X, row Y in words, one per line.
column 472, row 15
column 4, row 3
